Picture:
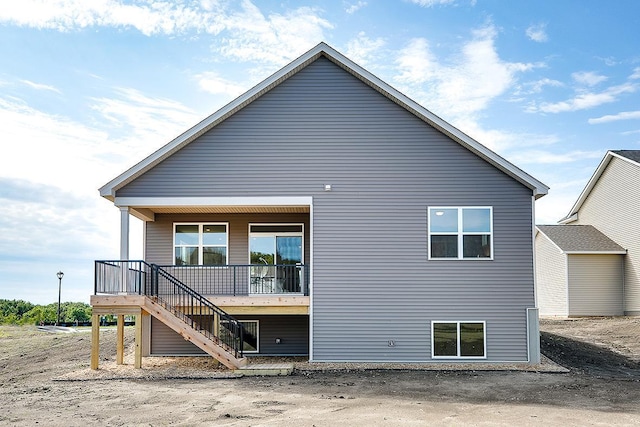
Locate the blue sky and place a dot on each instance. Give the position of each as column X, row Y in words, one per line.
column 90, row 87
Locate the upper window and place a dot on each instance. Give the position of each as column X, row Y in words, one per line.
column 460, row 233
column 458, row 339
column 200, row 244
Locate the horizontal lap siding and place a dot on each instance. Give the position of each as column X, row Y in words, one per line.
column 159, row 233
column 613, row 207
column 595, row 285
column 551, row 278
column 372, row 280
column 292, row 330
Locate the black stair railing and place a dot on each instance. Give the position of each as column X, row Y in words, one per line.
column 140, row 277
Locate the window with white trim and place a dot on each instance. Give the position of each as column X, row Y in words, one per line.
column 465, row 339
column 460, row 232
column 201, row 243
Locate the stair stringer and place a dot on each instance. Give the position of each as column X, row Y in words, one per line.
column 192, row 335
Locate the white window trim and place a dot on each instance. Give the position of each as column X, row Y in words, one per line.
column 460, row 233
column 200, row 245
column 458, row 322
column 275, row 224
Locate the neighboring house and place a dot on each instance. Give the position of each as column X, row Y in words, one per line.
column 596, row 278
column 334, row 218
column 579, row 271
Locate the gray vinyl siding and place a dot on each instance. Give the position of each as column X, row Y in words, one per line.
column 293, row 331
column 613, row 207
column 166, row 342
column 159, row 233
column 551, row 278
column 372, row 279
column 595, row 285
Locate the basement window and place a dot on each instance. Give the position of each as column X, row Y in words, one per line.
column 453, row 340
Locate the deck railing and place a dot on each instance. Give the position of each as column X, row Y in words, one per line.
column 139, row 277
column 242, row 280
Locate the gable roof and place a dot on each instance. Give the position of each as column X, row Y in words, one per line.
column 580, row 239
column 109, row 190
column 630, row 156
column 633, row 155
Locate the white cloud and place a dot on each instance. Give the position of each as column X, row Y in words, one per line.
column 50, row 211
column 144, row 122
column 537, row 33
column 464, row 85
column 636, row 74
column 211, row 82
column 630, row 132
column 431, row 3
column 537, row 86
column 625, row 115
column 39, row 86
column 246, row 33
column 362, row 49
column 583, row 101
column 274, row 39
column 588, row 78
column 551, row 157
column 353, row 8
column 504, row 142
column 151, row 17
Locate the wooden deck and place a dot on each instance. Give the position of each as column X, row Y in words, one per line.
column 139, row 306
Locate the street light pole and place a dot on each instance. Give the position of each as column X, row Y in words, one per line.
column 60, row 274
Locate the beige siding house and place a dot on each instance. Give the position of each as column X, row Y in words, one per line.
column 579, row 272
column 610, row 203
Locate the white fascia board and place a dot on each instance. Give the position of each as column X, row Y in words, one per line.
column 595, row 252
column 591, row 183
column 549, row 239
column 539, row 189
column 568, row 220
column 157, row 202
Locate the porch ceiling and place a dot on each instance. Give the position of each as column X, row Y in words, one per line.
column 224, row 209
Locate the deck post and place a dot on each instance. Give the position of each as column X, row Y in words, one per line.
column 120, row 340
column 138, row 353
column 95, row 340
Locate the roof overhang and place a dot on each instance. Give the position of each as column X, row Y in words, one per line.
column 573, row 213
column 322, row 49
column 145, row 208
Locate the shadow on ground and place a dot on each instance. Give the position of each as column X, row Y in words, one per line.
column 585, row 358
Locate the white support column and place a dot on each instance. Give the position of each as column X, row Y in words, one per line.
column 124, row 232
column 124, row 247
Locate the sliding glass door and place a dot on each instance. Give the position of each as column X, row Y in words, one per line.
column 276, row 256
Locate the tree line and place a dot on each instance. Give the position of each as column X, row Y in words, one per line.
column 19, row 312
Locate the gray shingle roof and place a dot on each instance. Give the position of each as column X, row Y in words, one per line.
column 579, row 238
column 629, row 154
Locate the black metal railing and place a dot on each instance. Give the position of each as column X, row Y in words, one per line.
column 243, row 280
column 142, row 278
column 122, row 277
column 197, row 311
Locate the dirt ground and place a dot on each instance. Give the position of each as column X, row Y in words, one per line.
column 45, row 380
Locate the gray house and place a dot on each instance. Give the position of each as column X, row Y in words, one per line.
column 607, row 282
column 325, row 214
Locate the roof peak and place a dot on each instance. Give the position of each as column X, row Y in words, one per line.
column 109, row 190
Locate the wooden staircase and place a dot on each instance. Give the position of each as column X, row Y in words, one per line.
column 215, row 349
